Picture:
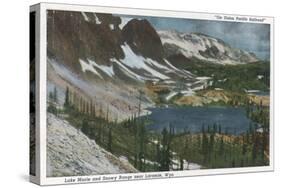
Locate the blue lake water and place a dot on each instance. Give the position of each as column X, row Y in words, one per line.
column 233, row 120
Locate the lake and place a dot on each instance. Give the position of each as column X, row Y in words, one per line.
column 233, row 120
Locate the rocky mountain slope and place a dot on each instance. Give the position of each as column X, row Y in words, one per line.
column 203, row 47
column 71, row 153
column 110, row 61
column 101, row 50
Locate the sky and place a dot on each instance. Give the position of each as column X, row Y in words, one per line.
column 251, row 37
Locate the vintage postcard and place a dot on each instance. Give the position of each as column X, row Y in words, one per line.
column 127, row 94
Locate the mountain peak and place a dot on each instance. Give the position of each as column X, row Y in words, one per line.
column 142, row 38
column 203, row 47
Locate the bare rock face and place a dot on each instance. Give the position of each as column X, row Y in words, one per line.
column 143, row 39
column 71, row 153
column 74, row 35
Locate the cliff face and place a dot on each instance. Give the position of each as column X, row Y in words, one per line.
column 74, row 35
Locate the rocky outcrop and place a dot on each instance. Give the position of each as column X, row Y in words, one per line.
column 71, row 153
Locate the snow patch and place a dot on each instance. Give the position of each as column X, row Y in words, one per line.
column 171, row 95
column 187, row 92
column 106, row 69
column 97, row 19
column 128, row 72
column 172, row 66
column 169, row 81
column 135, row 61
column 88, row 67
column 156, row 64
column 198, row 88
column 203, row 78
column 86, row 18
column 260, row 77
column 124, row 21
column 111, row 26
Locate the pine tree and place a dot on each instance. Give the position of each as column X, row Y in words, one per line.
column 107, row 114
column 66, row 101
column 55, row 95
column 221, row 148
column 211, row 145
column 254, row 149
column 85, row 127
column 244, row 146
column 51, row 96
column 109, row 146
column 158, row 152
column 205, row 146
column 165, row 150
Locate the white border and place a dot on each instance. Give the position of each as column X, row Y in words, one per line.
column 140, row 12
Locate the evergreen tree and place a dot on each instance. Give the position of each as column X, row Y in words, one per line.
column 55, row 95
column 165, row 151
column 85, row 127
column 51, row 96
column 205, row 146
column 66, row 100
column 221, row 147
column 244, row 146
column 254, row 149
column 109, row 146
column 220, row 129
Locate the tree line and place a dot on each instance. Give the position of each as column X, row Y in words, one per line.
column 212, row 147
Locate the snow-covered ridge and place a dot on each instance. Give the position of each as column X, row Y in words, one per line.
column 70, row 152
column 195, row 44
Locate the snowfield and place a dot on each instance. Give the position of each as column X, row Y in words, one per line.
column 71, row 153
